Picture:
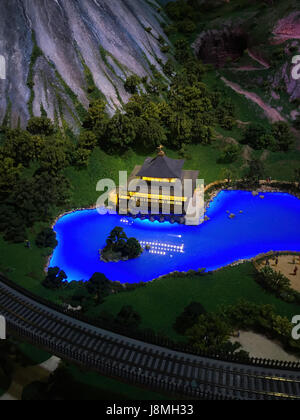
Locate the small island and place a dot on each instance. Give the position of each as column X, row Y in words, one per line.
column 119, row 247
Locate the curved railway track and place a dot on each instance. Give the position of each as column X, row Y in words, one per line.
column 138, row 362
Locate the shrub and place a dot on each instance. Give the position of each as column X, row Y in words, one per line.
column 230, row 154
column 46, row 239
column 55, row 278
column 118, row 246
column 189, row 317
column 40, row 125
column 283, row 136
column 132, row 83
column 128, row 318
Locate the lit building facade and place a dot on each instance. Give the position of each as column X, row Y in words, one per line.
column 160, row 186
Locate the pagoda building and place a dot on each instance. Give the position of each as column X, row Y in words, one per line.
column 163, row 181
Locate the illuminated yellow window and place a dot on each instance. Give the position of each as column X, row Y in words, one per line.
column 169, row 180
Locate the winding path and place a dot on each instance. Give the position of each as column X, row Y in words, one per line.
column 270, row 112
column 141, row 363
column 259, row 60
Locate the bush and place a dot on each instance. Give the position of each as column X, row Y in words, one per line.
column 118, row 246
column 229, row 154
column 277, row 284
column 189, row 317
column 132, row 83
column 283, row 136
column 128, row 318
column 257, row 137
column 40, row 125
column 46, row 239
column 55, row 278
column 210, row 334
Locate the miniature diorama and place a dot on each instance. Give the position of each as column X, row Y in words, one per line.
column 150, row 202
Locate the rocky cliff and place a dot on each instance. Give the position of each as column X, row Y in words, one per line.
column 55, row 50
column 255, row 50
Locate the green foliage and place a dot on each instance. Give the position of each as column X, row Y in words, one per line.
column 254, row 173
column 229, row 154
column 186, row 26
column 36, row 53
column 278, row 284
column 120, row 134
column 21, row 147
column 97, row 119
column 133, row 248
column 169, row 68
column 55, row 279
column 118, row 246
column 81, row 157
column 46, row 239
column 261, row 319
column 272, row 280
column 283, row 136
column 210, row 333
column 257, row 137
column 131, row 83
column 86, row 144
column 182, row 11
column 53, row 159
column 40, row 125
column 31, row 200
column 182, row 50
column 99, row 287
column 87, row 140
column 128, row 318
column 189, row 317
column 9, row 174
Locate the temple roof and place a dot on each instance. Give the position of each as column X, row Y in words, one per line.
column 161, row 167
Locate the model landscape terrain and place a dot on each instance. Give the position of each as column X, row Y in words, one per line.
column 96, row 87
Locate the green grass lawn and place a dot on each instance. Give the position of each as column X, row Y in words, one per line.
column 32, row 355
column 84, row 194
column 245, row 109
column 22, row 265
column 203, row 158
column 282, row 166
column 161, row 301
column 25, row 266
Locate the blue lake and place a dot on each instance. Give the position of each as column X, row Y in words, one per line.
column 272, row 223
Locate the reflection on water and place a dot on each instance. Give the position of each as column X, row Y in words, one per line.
column 258, row 226
column 161, row 248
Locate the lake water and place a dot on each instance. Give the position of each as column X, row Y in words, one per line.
column 272, row 223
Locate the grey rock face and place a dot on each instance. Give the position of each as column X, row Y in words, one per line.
column 107, row 36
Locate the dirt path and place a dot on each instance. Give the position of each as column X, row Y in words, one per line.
column 259, row 346
column 265, row 155
column 259, row 60
column 25, row 376
column 247, row 155
column 286, row 266
column 272, row 114
column 246, row 68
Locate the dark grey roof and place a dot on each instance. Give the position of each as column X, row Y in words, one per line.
column 161, row 167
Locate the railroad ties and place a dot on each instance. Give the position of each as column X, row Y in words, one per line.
column 140, row 363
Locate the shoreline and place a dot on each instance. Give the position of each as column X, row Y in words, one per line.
column 264, row 188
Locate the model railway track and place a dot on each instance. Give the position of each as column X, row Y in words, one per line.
column 138, row 361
